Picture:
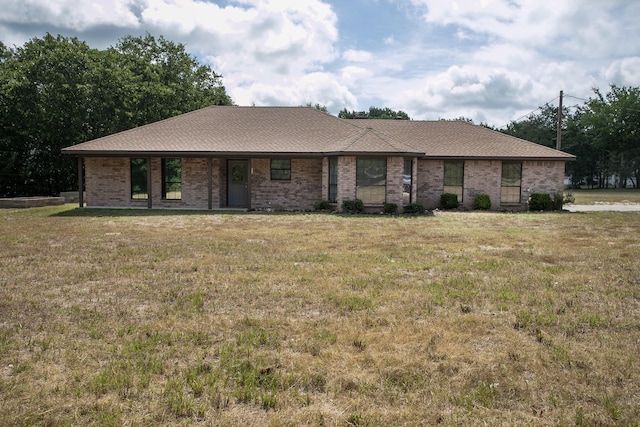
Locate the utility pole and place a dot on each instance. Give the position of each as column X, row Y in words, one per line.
column 559, row 135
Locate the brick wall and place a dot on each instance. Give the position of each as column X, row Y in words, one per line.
column 395, row 169
column 481, row 177
column 429, row 182
column 107, row 182
column 484, row 176
column 542, row 177
column 346, row 179
column 301, row 192
column 194, row 185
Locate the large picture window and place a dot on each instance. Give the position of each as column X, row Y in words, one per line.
column 333, row 179
column 511, row 182
column 139, row 179
column 371, row 180
column 281, row 169
column 454, row 178
column 171, row 179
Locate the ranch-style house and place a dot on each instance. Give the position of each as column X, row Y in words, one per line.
column 289, row 158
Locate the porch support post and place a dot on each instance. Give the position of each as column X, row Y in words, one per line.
column 80, row 183
column 210, row 181
column 149, row 182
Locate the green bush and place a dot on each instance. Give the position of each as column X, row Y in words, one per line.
column 414, row 208
column 352, row 206
column 568, row 198
column 540, row 202
column 559, row 199
column 557, row 202
column 390, row 208
column 449, row 201
column 482, row 201
column 322, row 205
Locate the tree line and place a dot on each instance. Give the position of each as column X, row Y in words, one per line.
column 603, row 134
column 57, row 91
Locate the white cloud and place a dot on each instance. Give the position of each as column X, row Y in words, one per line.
column 625, row 72
column 70, row 13
column 317, row 87
column 353, row 55
column 352, row 75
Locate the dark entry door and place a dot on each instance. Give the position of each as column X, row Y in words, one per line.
column 238, row 183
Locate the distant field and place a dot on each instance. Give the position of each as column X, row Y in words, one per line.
column 589, row 197
column 123, row 317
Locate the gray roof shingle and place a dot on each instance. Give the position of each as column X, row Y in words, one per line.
column 231, row 130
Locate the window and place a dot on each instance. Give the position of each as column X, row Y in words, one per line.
column 171, row 179
column 333, row 179
column 510, row 183
column 281, row 169
column 371, row 180
column 406, row 181
column 454, row 178
column 139, row 178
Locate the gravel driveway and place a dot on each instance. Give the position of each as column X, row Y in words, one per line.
column 604, row 207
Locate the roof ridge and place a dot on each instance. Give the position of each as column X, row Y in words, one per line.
column 354, row 138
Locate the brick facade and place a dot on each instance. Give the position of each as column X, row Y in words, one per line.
column 301, row 192
column 484, row 176
column 542, row 177
column 108, row 183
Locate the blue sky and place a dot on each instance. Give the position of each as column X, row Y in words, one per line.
column 489, row 60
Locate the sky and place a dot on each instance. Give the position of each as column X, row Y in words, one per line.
column 492, row 61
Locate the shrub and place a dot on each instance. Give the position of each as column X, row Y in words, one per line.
column 390, row 208
column 557, row 202
column 540, row 202
column 559, row 199
column 482, row 201
column 449, row 201
column 352, row 206
column 322, row 205
column 414, row 208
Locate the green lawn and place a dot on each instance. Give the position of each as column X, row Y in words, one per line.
column 589, row 197
column 135, row 317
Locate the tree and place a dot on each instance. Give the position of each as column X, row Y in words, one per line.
column 374, row 113
column 44, row 101
column 317, row 106
column 164, row 80
column 57, row 91
column 540, row 128
column 613, row 121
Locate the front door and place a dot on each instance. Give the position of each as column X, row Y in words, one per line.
column 238, row 183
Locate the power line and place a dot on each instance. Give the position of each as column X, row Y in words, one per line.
column 528, row 114
column 575, row 97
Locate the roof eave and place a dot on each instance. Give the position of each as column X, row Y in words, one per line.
column 374, row 153
column 237, row 154
column 502, row 158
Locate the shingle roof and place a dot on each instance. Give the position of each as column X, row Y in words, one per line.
column 306, row 131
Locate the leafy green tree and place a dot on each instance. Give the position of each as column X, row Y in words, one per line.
column 540, row 127
column 57, row 91
column 44, row 101
column 165, row 80
column 613, row 121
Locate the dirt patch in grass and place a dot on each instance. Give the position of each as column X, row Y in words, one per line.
column 112, row 318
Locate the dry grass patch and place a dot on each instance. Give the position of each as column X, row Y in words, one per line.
column 138, row 318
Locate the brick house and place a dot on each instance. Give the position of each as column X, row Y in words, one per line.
column 289, row 158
